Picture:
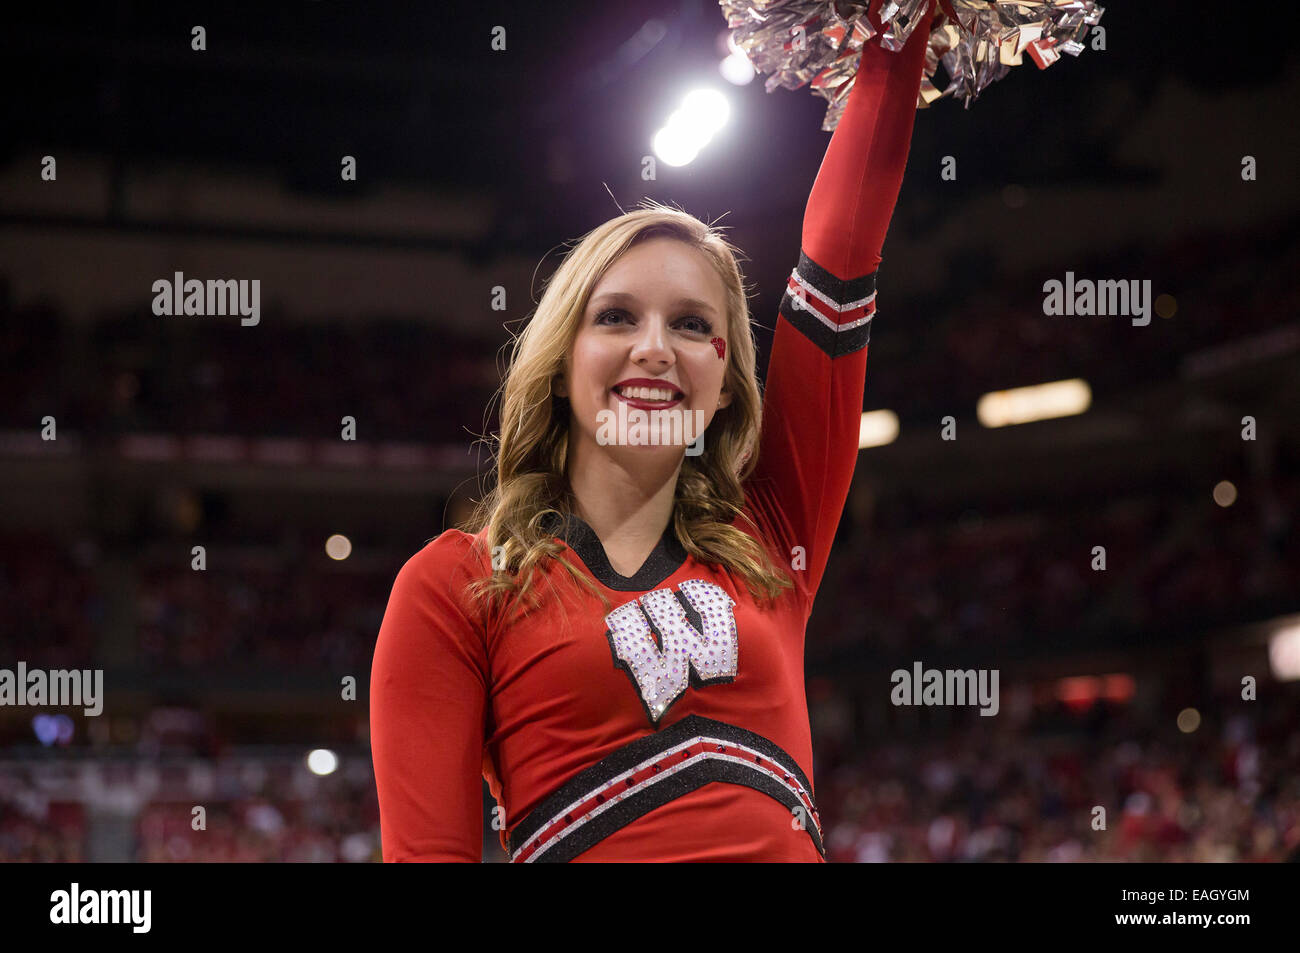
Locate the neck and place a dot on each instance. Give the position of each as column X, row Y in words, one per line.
column 629, row 499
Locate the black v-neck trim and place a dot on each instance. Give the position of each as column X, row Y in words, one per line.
column 664, row 560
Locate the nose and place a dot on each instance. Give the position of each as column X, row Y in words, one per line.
column 651, row 346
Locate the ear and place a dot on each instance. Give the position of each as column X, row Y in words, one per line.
column 557, row 386
column 724, row 399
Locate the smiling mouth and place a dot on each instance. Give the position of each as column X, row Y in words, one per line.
column 649, row 395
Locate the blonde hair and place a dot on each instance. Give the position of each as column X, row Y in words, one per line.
column 531, row 483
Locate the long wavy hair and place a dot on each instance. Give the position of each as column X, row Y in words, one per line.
column 531, row 485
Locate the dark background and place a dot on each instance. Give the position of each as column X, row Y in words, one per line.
column 474, row 167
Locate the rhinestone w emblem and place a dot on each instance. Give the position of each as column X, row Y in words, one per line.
column 666, row 640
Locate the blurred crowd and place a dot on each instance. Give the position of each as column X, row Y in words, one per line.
column 133, row 373
column 137, row 372
column 907, row 582
column 987, row 331
column 998, row 791
column 1005, row 789
column 274, row 810
column 255, row 808
column 290, row 618
column 51, row 600
column 34, row 829
column 914, row 581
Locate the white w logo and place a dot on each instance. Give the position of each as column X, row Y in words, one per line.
column 661, row 669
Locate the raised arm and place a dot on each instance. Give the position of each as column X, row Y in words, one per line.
column 812, row 403
column 428, row 697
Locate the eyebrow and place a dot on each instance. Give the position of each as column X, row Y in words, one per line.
column 680, row 303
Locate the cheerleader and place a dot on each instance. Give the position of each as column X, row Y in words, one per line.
column 615, row 642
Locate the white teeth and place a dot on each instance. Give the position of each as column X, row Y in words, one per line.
column 647, row 393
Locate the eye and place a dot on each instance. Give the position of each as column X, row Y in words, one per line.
column 691, row 322
column 699, row 325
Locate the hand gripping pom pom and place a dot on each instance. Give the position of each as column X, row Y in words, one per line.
column 976, row 41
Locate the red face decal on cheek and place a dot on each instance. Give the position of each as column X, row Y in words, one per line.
column 720, row 346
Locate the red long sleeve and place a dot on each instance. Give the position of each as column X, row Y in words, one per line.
column 813, row 396
column 428, row 704
column 853, row 197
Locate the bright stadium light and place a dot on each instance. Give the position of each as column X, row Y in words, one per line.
column 1024, row 405
column 736, row 68
column 877, row 428
column 322, row 761
column 1225, row 493
column 675, row 146
column 338, row 547
column 1189, row 719
column 706, row 108
column 1284, row 653
column 688, row 130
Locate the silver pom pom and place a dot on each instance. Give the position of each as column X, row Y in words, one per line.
column 797, row 42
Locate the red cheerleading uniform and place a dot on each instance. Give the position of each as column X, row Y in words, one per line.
column 675, row 727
